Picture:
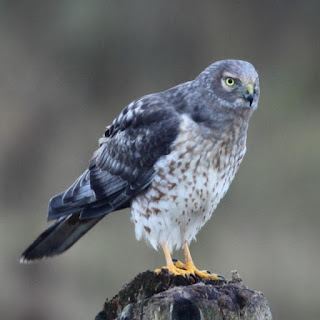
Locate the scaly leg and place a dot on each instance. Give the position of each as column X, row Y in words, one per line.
column 170, row 265
column 190, row 268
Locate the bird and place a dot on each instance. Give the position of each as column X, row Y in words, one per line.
column 170, row 157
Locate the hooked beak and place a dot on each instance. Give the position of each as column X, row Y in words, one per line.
column 248, row 93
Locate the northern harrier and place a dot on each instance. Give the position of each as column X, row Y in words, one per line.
column 170, row 157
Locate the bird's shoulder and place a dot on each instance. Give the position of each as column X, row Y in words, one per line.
column 140, row 112
column 143, row 132
column 150, row 110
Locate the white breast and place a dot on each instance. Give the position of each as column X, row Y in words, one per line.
column 188, row 185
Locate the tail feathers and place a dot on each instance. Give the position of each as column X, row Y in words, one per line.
column 59, row 237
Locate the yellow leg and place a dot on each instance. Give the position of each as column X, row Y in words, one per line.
column 170, row 265
column 191, row 268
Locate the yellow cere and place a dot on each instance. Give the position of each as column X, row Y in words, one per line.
column 249, row 88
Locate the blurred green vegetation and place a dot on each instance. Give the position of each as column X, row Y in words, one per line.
column 68, row 67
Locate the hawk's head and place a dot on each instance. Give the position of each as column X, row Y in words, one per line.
column 232, row 83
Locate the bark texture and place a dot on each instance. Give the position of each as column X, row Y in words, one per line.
column 162, row 297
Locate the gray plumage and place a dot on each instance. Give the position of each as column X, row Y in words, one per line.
column 126, row 165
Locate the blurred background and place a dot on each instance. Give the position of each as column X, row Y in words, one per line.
column 66, row 70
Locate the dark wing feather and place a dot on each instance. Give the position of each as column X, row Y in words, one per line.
column 58, row 237
column 119, row 169
column 123, row 165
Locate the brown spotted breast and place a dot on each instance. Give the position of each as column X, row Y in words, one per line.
column 188, row 185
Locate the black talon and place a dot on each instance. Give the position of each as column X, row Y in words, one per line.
column 174, row 260
column 195, row 278
column 191, row 278
column 208, row 271
column 221, row 277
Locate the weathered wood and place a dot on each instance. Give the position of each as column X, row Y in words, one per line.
column 150, row 296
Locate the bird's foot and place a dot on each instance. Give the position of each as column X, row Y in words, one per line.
column 173, row 270
column 180, row 269
column 190, row 269
column 179, row 264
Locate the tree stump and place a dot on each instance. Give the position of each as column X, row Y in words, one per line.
column 150, row 296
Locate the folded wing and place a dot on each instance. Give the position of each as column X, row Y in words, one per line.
column 123, row 165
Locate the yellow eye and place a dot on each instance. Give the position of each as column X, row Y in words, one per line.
column 230, row 82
